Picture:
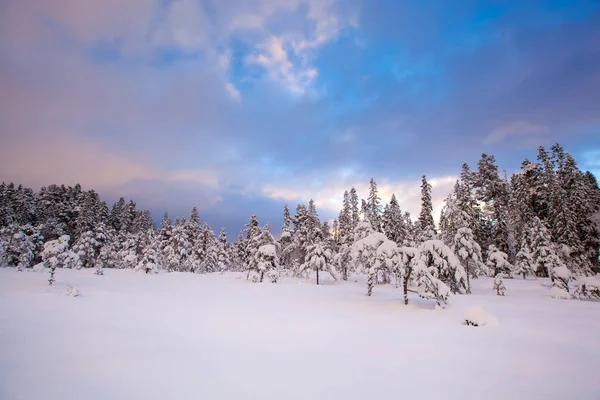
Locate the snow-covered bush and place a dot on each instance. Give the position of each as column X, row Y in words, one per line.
column 561, row 277
column 499, row 284
column 587, row 287
column 476, row 316
column 72, row 291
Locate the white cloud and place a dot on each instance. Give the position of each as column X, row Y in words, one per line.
column 185, row 26
column 233, row 91
column 328, row 195
column 273, row 57
column 516, row 128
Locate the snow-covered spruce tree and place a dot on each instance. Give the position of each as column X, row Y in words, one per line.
column 442, row 263
column 499, row 284
column 264, row 258
column 127, row 255
column 468, row 252
column 524, row 263
column 424, row 278
column 389, row 262
column 453, row 217
column 362, row 230
column 393, row 222
column 319, row 257
column 373, row 210
column 364, row 256
column 497, row 262
column 544, row 254
column 343, row 260
column 22, row 245
column 103, row 260
column 345, row 222
column 249, row 244
column 223, row 261
column 426, row 224
column 182, row 248
column 86, row 246
column 354, row 207
column 492, row 195
column 55, row 255
column 209, row 255
column 150, row 260
column 285, row 240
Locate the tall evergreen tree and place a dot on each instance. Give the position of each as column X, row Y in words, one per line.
column 426, row 224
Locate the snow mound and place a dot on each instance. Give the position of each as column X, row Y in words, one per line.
column 558, row 293
column 476, row 316
column 72, row 291
column 39, row 268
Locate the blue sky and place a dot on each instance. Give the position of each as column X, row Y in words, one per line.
column 241, row 106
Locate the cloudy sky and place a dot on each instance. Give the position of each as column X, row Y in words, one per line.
column 241, row 106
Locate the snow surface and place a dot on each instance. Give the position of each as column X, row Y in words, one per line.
column 192, row 336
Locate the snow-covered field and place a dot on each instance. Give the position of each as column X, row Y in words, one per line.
column 184, row 336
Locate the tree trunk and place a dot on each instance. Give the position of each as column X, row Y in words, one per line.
column 406, row 278
column 468, row 279
column 317, row 276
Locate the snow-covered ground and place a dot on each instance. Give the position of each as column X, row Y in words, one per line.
column 182, row 336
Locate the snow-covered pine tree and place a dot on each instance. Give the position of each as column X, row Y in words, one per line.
column 151, row 260
column 468, row 252
column 319, row 257
column 264, row 256
column 249, row 244
column 453, row 217
column 55, row 255
column 499, row 284
column 182, row 247
column 364, row 253
column 393, row 222
column 442, row 263
column 492, row 195
column 208, row 250
column 343, row 260
column 497, row 262
column 102, row 260
column 223, row 261
column 335, row 231
column 423, row 275
column 389, row 262
column 345, row 221
column 373, row 210
column 544, row 254
column 426, row 224
column 524, row 264
column 354, row 208
column 286, row 240
column 85, row 247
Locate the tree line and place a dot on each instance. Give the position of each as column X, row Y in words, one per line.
column 542, row 222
